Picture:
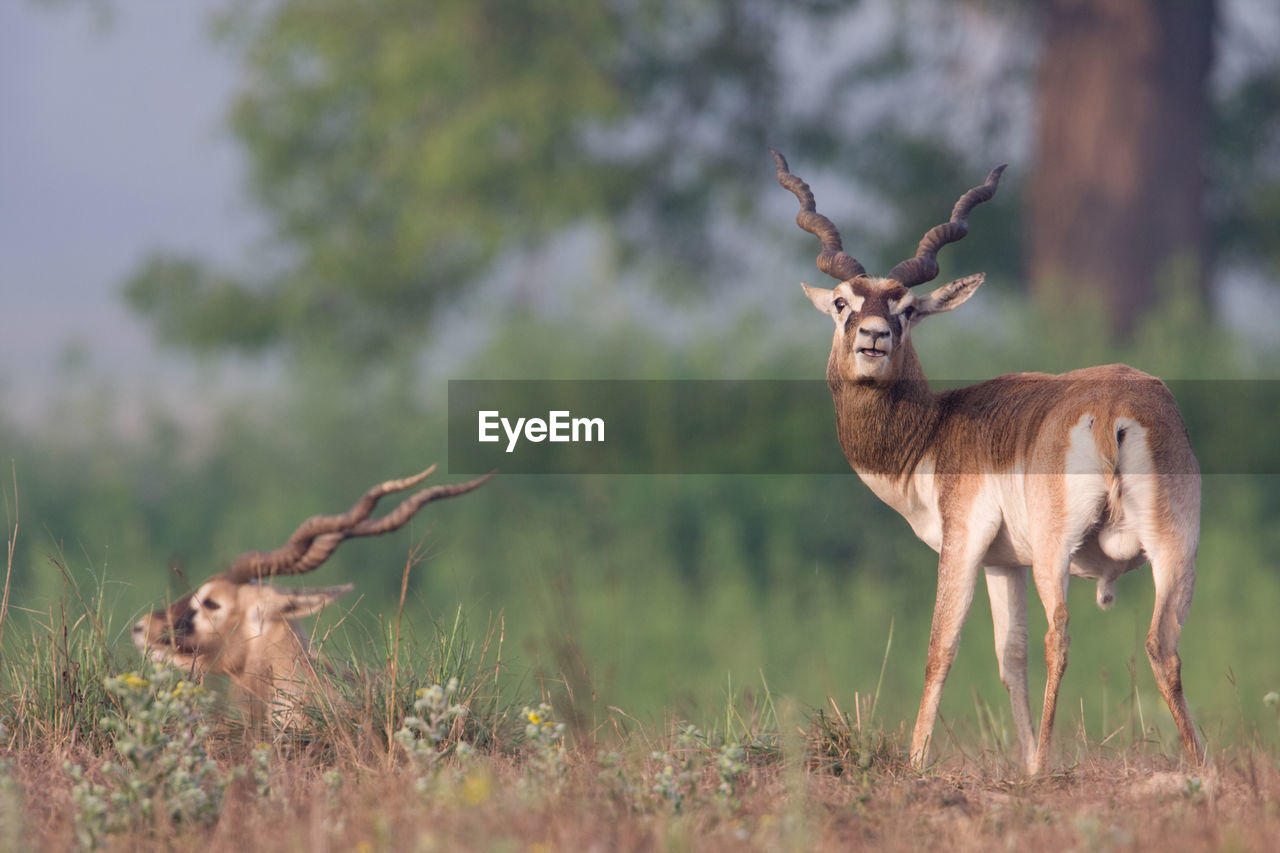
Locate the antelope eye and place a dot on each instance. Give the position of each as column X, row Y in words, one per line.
column 210, row 604
column 908, row 312
column 841, row 304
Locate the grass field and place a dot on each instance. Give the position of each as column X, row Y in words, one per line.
column 791, row 790
column 431, row 748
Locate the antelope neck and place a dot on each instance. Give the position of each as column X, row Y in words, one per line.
column 886, row 428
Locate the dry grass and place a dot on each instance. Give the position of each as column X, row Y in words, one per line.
column 785, row 799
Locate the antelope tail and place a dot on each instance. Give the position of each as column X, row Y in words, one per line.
column 1108, row 434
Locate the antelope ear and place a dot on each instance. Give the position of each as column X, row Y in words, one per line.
column 822, row 299
column 951, row 295
column 287, row 603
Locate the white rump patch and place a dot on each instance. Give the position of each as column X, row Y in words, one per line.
column 1137, row 492
column 1135, row 455
column 1085, row 486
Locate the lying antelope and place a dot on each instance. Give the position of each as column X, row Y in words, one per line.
column 1087, row 473
column 237, row 625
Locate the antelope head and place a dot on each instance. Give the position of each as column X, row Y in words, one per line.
column 238, row 625
column 874, row 315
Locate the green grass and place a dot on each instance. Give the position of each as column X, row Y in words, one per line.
column 101, row 751
column 54, row 675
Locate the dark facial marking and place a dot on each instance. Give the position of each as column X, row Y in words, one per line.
column 179, row 616
column 183, row 624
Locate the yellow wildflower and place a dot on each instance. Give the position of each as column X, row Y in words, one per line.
column 476, row 789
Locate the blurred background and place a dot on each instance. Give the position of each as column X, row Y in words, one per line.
column 244, row 245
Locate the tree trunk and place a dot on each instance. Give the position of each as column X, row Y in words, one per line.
column 1117, row 196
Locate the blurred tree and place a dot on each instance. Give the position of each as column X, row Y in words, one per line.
column 395, row 146
column 399, row 148
column 1244, row 195
column 1117, row 197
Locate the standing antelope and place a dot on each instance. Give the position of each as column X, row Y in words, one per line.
column 1087, row 473
column 237, row 625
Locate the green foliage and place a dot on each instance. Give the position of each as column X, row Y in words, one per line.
column 544, row 750
column 197, row 308
column 393, row 700
column 677, row 782
column 433, row 731
column 56, row 662
column 428, row 734
column 397, row 148
column 683, row 765
column 1245, row 190
column 730, row 765
column 160, row 768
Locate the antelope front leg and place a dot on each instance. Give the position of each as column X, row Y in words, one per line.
column 957, row 577
column 1007, row 589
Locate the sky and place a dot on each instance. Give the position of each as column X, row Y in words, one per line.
column 114, row 145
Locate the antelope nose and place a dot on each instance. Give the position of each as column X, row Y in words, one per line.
column 874, row 334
